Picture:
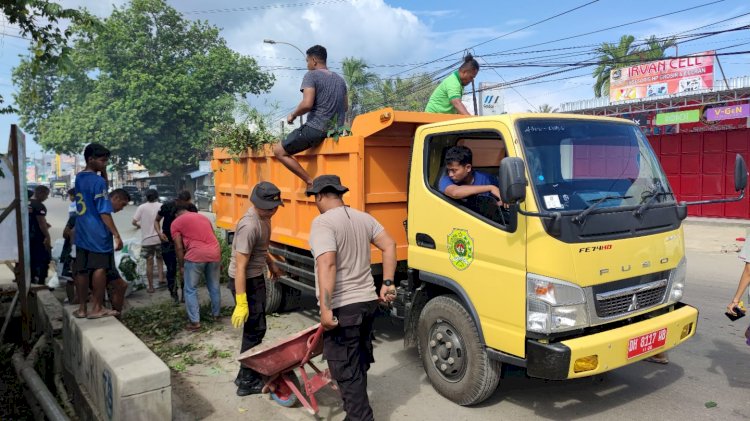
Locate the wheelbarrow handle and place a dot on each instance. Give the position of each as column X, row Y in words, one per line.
column 312, row 343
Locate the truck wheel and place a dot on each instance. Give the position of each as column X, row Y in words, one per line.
column 291, row 298
column 453, row 357
column 274, row 294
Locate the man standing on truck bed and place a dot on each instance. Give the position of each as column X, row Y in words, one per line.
column 324, row 99
column 248, row 262
column 446, row 98
column 340, row 239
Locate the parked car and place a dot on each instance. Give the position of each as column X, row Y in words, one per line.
column 135, row 194
column 204, row 198
column 166, row 191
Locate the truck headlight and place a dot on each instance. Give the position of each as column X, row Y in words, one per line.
column 553, row 305
column 677, row 279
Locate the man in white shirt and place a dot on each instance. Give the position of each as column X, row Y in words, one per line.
column 144, row 219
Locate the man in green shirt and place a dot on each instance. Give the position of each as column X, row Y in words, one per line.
column 446, row 98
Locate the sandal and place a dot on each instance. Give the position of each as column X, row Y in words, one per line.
column 104, row 313
column 79, row 315
column 151, row 290
column 193, row 327
column 657, row 360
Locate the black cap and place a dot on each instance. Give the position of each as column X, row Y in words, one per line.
column 266, row 196
column 323, row 182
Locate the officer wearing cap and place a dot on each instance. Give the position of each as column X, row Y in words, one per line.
column 340, row 239
column 248, row 262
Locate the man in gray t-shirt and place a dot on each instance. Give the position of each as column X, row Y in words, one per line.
column 324, row 101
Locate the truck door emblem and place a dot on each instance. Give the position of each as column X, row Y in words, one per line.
column 634, row 303
column 460, row 248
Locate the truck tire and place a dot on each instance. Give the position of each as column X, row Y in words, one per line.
column 291, row 298
column 452, row 355
column 274, row 294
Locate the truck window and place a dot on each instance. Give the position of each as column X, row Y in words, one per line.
column 572, row 164
column 487, row 150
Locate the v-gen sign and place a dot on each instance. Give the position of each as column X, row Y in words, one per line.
column 662, row 77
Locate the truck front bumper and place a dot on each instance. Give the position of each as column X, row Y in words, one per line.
column 609, row 349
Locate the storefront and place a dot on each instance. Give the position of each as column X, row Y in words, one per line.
column 696, row 136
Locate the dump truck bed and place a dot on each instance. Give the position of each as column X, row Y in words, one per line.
column 372, row 162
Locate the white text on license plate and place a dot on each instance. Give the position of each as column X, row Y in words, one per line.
column 647, row 342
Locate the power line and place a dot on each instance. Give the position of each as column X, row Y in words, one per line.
column 504, row 35
column 266, row 7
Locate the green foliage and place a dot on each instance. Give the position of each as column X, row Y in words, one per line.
column 226, row 256
column 38, row 20
column 411, row 94
column 544, row 108
column 625, row 54
column 358, row 80
column 145, row 82
column 128, row 269
column 251, row 129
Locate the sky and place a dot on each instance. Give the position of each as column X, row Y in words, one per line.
column 397, row 38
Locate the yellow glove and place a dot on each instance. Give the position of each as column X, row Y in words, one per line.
column 241, row 311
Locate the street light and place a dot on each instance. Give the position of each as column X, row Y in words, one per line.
column 272, row 42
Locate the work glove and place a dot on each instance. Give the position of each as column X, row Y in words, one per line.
column 241, row 311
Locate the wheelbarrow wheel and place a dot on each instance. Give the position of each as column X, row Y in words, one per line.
column 283, row 395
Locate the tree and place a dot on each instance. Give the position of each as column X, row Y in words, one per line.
column 612, row 57
column 145, row 82
column 626, row 54
column 409, row 94
column 48, row 41
column 358, row 80
column 544, row 108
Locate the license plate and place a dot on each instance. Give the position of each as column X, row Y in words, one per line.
column 648, row 342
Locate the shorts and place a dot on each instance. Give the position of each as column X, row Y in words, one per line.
column 302, row 139
column 152, row 250
column 88, row 261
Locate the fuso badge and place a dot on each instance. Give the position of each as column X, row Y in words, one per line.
column 460, row 248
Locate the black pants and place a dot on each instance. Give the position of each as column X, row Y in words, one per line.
column 255, row 327
column 39, row 261
column 348, row 349
column 170, row 259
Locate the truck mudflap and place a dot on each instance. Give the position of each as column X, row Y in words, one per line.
column 611, row 349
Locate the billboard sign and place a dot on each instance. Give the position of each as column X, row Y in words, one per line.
column 728, row 112
column 491, row 99
column 662, row 77
column 677, row 117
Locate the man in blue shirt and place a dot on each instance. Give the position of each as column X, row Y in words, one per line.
column 95, row 230
column 462, row 181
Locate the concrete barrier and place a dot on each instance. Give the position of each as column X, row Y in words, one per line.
column 122, row 378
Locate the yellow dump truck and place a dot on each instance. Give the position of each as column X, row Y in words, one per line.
column 580, row 272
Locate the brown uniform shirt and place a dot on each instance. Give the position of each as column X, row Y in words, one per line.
column 349, row 233
column 251, row 237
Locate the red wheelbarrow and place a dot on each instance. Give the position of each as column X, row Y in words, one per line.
column 278, row 361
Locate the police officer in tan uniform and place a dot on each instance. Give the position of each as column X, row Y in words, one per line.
column 340, row 239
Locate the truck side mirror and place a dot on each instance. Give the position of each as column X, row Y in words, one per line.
column 512, row 180
column 740, row 173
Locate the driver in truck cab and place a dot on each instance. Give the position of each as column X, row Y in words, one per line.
column 461, row 181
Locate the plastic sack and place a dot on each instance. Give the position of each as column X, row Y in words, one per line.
column 57, row 249
column 53, row 281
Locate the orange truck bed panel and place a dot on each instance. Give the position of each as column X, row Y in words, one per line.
column 372, row 162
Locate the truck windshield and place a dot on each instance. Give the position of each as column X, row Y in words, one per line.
column 574, row 164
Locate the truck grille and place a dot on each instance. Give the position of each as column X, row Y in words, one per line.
column 619, row 302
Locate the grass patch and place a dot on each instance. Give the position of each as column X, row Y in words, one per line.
column 158, row 325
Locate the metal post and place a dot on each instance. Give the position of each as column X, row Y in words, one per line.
column 474, row 94
column 726, row 84
column 23, row 278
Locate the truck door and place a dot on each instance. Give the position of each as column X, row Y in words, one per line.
column 470, row 244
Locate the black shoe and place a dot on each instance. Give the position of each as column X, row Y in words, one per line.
column 174, row 297
column 249, row 387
